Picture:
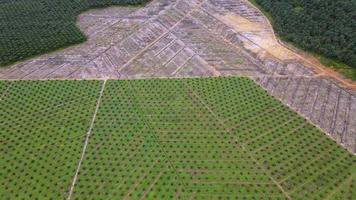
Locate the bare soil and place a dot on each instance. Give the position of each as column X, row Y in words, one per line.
column 199, row 38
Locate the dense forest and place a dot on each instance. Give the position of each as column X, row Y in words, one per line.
column 32, row 27
column 324, row 27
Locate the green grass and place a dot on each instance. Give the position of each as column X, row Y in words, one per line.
column 210, row 138
column 33, row 27
column 340, row 67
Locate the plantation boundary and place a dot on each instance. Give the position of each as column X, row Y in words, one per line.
column 86, row 142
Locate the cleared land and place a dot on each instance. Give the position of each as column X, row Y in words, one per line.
column 210, row 138
column 181, row 38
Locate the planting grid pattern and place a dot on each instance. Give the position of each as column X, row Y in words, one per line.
column 194, row 38
column 42, row 127
column 208, row 138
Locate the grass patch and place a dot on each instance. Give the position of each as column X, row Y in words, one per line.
column 340, row 67
column 210, row 138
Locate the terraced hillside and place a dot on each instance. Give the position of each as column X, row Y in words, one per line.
column 181, row 38
column 210, row 138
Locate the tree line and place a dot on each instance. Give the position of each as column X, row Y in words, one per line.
column 325, row 27
column 33, row 27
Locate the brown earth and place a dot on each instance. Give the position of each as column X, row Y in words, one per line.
column 194, row 38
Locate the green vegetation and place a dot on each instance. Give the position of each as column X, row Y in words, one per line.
column 42, row 127
column 324, row 28
column 211, row 138
column 346, row 70
column 33, row 27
